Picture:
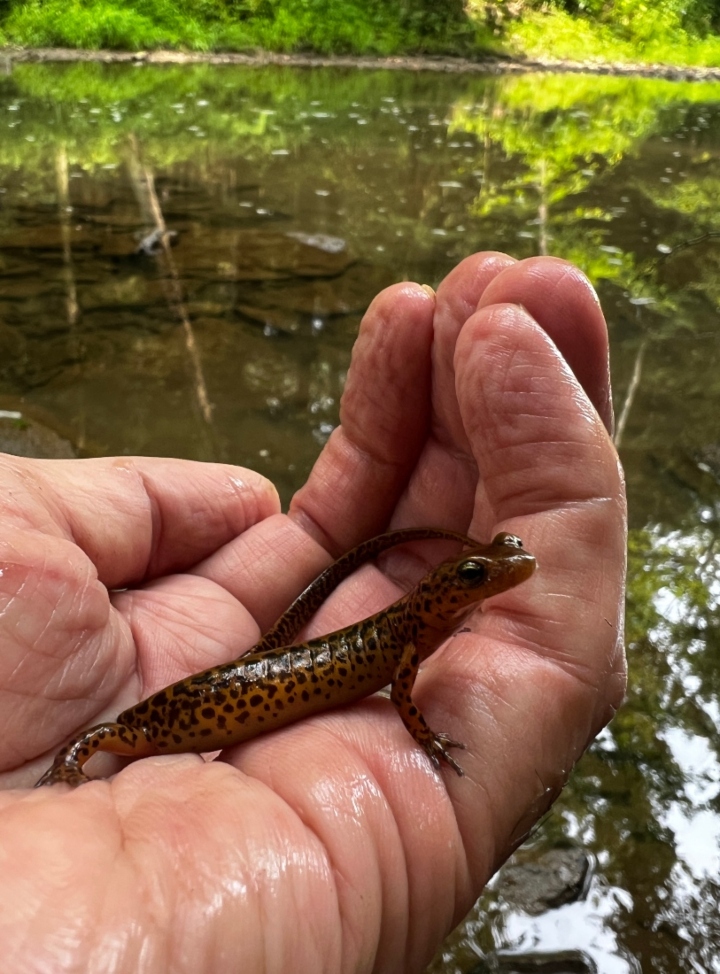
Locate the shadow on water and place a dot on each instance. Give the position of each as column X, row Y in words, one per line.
column 185, row 254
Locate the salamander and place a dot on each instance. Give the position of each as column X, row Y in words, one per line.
column 276, row 683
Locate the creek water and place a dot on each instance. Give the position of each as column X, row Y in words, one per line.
column 289, row 198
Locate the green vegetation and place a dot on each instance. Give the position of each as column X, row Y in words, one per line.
column 674, row 31
column 671, row 32
column 326, row 26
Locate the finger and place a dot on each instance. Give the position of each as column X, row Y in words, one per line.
column 444, row 484
column 543, row 669
column 550, row 473
column 442, row 488
column 457, row 298
column 136, row 517
column 355, row 483
column 563, row 302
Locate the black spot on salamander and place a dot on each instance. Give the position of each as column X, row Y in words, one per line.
column 317, row 690
column 234, row 693
column 289, row 686
column 221, row 721
column 426, row 605
column 142, row 708
column 413, row 711
column 160, row 699
column 271, row 690
column 256, row 700
column 342, row 670
column 162, row 743
column 240, row 705
column 208, row 713
column 177, row 738
column 205, row 732
column 305, row 695
column 266, row 708
column 219, row 697
column 415, row 661
column 291, row 698
column 155, row 716
column 228, row 708
column 96, row 743
column 301, row 677
column 241, row 718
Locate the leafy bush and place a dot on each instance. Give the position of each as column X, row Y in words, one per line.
column 102, row 23
column 358, row 26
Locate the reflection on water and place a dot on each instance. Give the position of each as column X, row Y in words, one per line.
column 185, row 254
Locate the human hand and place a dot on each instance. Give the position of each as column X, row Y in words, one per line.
column 333, row 844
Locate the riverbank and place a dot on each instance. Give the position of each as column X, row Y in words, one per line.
column 458, row 65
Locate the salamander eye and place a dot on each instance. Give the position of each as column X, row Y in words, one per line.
column 471, row 571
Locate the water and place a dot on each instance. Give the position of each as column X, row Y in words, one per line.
column 294, row 196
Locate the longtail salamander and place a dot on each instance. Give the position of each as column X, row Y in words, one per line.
column 275, row 683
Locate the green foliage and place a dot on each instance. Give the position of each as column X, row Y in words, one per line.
column 103, row 23
column 326, row 26
column 676, row 31
column 671, row 32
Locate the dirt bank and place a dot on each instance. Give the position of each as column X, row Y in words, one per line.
column 487, row 65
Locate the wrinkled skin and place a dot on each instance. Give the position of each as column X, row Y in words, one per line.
column 332, row 845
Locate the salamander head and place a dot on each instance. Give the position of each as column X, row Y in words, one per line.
column 451, row 590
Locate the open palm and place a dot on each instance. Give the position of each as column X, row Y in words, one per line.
column 332, row 845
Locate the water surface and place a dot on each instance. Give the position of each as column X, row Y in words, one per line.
column 290, row 197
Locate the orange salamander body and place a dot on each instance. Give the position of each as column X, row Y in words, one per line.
column 275, row 683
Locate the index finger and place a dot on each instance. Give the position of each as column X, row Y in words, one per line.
column 136, row 518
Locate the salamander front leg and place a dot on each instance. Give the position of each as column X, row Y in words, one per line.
column 436, row 745
column 115, row 738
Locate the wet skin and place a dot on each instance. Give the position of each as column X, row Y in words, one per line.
column 275, row 683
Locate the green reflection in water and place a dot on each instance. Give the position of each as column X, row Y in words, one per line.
column 294, row 196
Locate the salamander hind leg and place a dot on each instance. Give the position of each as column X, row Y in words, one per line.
column 435, row 745
column 111, row 737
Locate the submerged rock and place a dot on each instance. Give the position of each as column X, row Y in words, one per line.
column 21, row 436
column 554, row 878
